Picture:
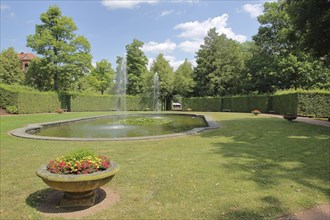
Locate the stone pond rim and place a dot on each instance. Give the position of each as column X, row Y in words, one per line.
column 23, row 132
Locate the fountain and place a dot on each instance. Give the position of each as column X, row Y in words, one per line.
column 121, row 81
column 155, row 99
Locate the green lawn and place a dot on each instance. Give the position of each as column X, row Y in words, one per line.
column 253, row 167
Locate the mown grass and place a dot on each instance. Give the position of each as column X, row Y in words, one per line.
column 253, row 167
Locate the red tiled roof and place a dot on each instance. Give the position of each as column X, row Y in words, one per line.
column 26, row 56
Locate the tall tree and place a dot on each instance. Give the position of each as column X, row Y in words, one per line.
column 136, row 63
column 165, row 72
column 311, row 19
column 184, row 82
column 219, row 65
column 102, row 76
column 66, row 55
column 278, row 62
column 10, row 67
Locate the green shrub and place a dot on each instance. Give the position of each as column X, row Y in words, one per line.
column 12, row 109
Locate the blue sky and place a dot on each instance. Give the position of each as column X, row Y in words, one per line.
column 175, row 28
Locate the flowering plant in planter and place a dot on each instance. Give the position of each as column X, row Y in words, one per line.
column 256, row 112
column 78, row 174
column 79, row 162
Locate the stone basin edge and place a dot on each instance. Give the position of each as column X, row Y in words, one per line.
column 23, row 132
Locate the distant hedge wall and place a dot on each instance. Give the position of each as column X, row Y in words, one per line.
column 85, row 103
column 28, row 100
column 207, row 104
column 304, row 103
column 80, row 103
column 301, row 102
column 246, row 103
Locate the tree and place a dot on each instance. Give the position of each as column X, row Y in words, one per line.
column 277, row 61
column 219, row 65
column 136, row 63
column 311, row 19
column 165, row 72
column 184, row 82
column 66, row 56
column 37, row 75
column 102, row 76
column 10, row 67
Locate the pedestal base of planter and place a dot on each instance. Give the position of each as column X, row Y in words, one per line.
column 78, row 199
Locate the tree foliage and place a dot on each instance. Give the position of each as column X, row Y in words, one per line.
column 166, row 78
column 311, row 19
column 102, row 76
column 65, row 55
column 219, row 64
column 184, row 82
column 38, row 75
column 10, row 67
column 278, row 61
column 136, row 63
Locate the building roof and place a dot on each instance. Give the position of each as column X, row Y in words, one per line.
column 26, row 56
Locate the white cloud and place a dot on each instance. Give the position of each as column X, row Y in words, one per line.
column 167, row 12
column 155, row 47
column 4, row 6
column 128, row 4
column 253, row 9
column 12, row 14
column 195, row 32
column 190, row 46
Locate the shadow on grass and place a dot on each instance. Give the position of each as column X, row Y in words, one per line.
column 48, row 201
column 270, row 151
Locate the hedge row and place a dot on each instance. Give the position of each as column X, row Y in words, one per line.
column 80, row 103
column 204, row 104
column 234, row 103
column 27, row 100
column 245, row 103
column 299, row 102
column 304, row 103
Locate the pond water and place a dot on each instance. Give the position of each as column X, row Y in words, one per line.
column 118, row 126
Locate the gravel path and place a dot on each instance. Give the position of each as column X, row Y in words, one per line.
column 303, row 119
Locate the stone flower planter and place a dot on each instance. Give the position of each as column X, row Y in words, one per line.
column 290, row 117
column 79, row 190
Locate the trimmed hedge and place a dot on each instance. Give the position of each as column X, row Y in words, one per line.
column 28, row 100
column 85, row 103
column 80, row 103
column 285, row 104
column 246, row 103
column 8, row 97
column 205, row 104
column 302, row 102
